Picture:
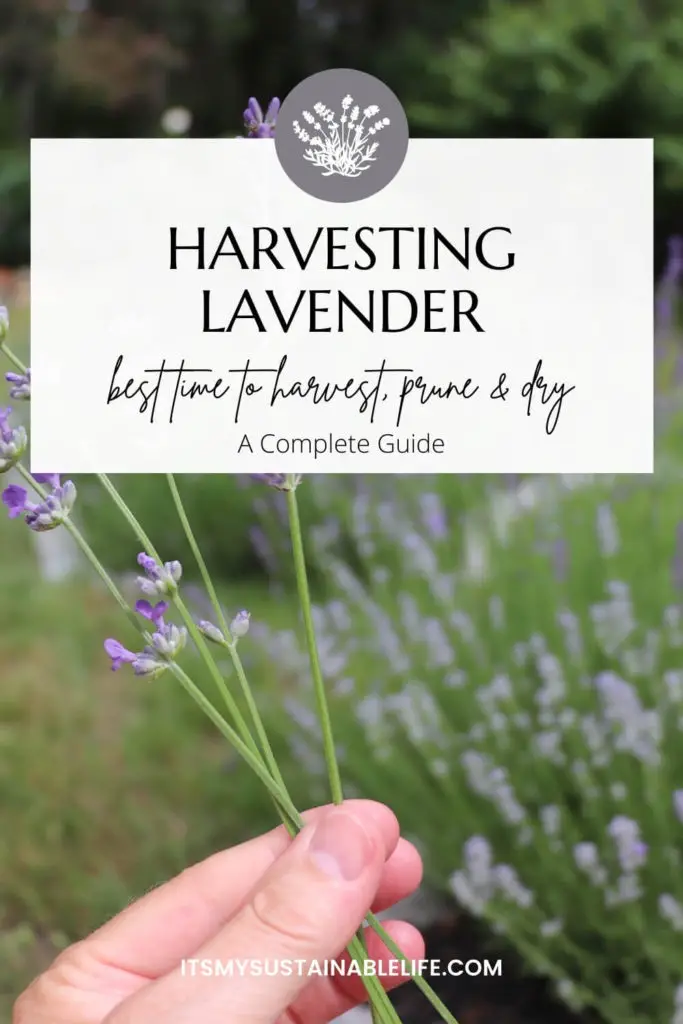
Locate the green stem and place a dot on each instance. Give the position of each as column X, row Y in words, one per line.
column 309, row 629
column 15, row 360
column 382, row 1008
column 231, row 641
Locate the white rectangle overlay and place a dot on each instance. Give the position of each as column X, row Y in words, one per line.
column 489, row 311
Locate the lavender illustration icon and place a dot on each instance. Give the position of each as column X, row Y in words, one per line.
column 346, row 144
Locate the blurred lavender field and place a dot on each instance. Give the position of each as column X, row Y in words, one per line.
column 505, row 663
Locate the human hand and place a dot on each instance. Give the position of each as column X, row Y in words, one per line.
column 270, row 899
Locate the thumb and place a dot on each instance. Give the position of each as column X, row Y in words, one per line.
column 306, row 908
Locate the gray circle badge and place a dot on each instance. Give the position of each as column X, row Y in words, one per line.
column 341, row 135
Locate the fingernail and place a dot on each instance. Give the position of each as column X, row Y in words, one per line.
column 341, row 847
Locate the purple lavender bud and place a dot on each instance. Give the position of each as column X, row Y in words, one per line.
column 281, row 481
column 239, row 626
column 53, row 511
column 20, row 385
column 147, row 664
column 161, row 580
column 211, row 632
column 256, row 125
column 13, row 442
column 678, row 804
column 169, row 641
column 4, row 323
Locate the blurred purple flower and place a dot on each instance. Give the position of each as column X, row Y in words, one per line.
column 13, row 442
column 678, row 804
column 20, row 385
column 281, row 481
column 257, row 125
column 14, row 498
column 53, row 479
column 668, row 285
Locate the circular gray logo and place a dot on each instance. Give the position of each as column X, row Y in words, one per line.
column 341, row 135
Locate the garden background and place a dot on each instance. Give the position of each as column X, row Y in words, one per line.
column 505, row 656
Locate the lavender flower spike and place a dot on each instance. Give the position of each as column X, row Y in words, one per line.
column 20, row 386
column 256, row 125
column 4, row 323
column 281, row 481
column 159, row 580
column 13, row 442
column 48, row 514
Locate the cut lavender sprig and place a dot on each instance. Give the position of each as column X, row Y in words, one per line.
column 4, row 323
column 20, row 386
column 256, row 124
column 47, row 514
column 13, row 442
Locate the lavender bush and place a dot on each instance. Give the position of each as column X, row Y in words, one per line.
column 522, row 707
column 527, row 727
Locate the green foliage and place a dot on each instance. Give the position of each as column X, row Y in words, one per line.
column 15, row 195
column 552, row 68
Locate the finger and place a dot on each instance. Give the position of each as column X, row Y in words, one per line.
column 401, row 876
column 151, row 936
column 305, row 908
column 327, row 998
